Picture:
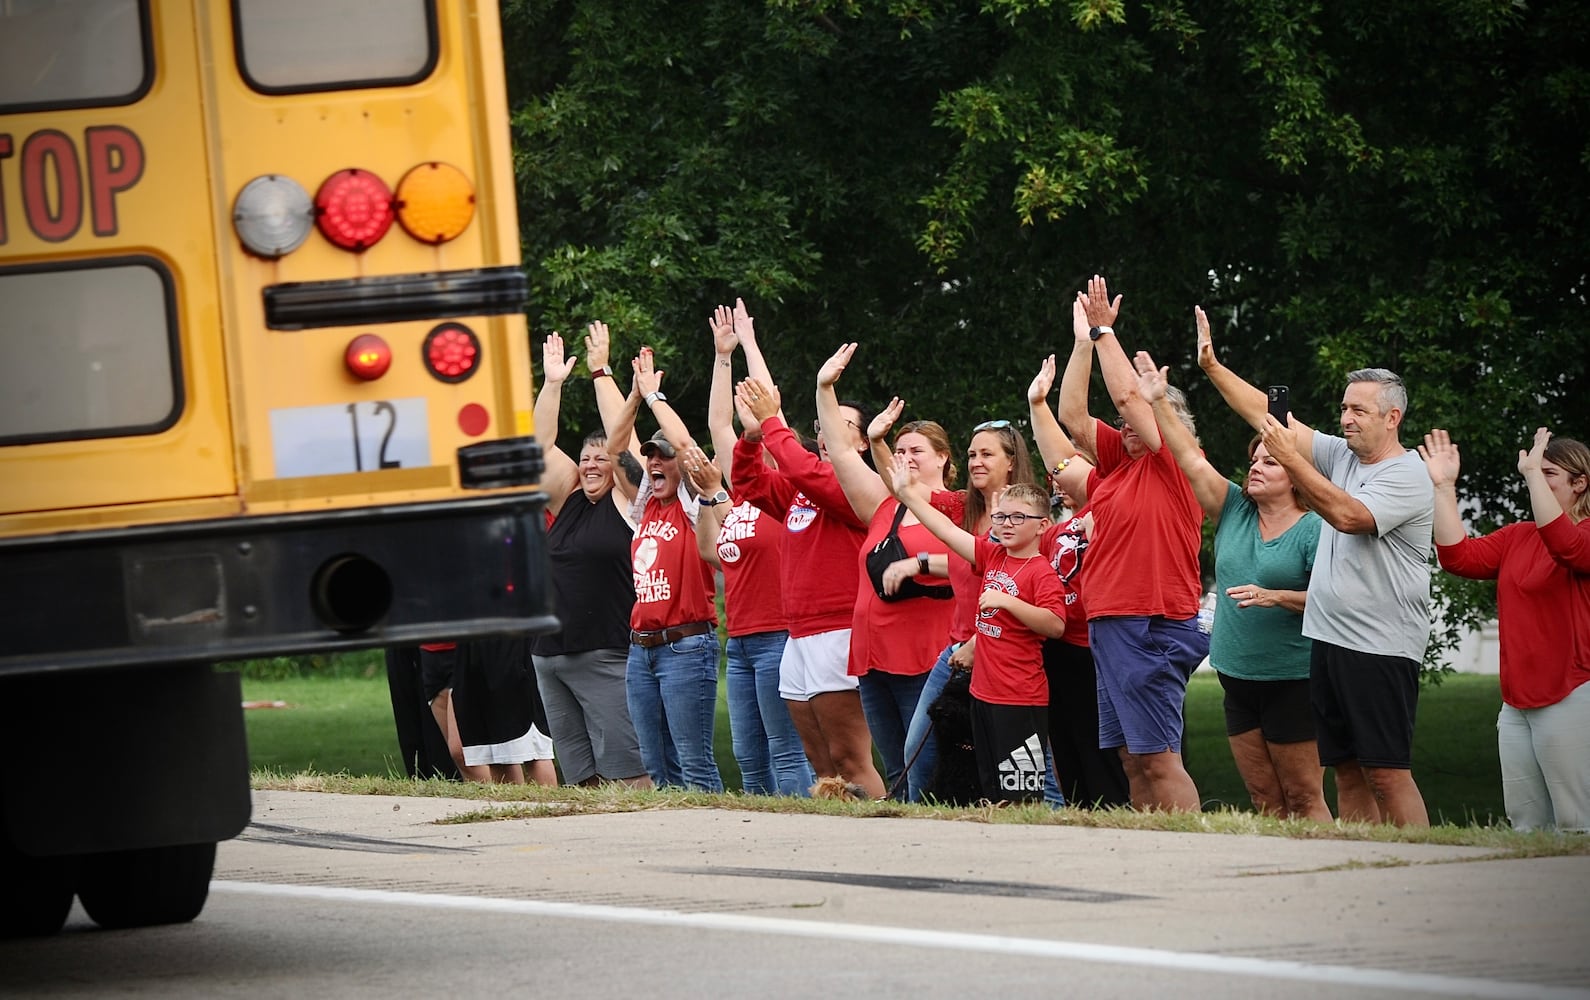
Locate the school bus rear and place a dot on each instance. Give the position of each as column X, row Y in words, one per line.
column 267, row 384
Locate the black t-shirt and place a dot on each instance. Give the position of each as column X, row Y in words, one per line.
column 593, row 583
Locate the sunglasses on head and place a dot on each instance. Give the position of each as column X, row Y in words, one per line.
column 991, row 425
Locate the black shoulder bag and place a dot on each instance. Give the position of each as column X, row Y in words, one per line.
column 891, row 550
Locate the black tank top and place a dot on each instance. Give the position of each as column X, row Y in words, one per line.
column 593, row 583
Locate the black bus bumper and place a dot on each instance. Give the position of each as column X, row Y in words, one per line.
column 272, row 585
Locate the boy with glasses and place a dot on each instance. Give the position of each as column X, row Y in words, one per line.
column 1020, row 605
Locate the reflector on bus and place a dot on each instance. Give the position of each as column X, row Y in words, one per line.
column 435, row 202
column 273, row 216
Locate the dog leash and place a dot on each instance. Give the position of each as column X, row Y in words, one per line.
column 907, row 772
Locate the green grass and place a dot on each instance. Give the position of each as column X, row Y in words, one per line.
column 343, row 724
column 330, row 725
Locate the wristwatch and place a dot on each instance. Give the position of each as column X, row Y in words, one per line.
column 1099, row 331
column 722, row 496
column 603, row 371
column 922, row 563
column 653, row 397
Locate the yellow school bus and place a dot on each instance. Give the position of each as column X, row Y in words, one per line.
column 266, row 389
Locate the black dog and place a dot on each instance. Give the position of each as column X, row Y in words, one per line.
column 954, row 780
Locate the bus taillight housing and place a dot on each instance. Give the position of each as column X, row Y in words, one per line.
column 353, row 209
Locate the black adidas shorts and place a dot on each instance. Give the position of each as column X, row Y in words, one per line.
column 1012, row 746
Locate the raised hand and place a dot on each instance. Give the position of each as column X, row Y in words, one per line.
column 647, row 380
column 753, row 430
column 702, row 471
column 1529, row 461
column 1441, row 459
column 904, row 475
column 744, row 323
column 1151, row 381
column 555, row 368
column 1279, row 441
column 1206, row 344
column 597, row 345
column 1096, row 301
column 879, row 428
column 1079, row 320
column 721, row 323
column 1042, row 383
column 834, row 367
column 763, row 401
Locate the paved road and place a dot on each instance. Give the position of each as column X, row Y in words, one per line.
column 369, row 896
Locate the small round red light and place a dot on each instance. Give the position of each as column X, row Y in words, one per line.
column 353, row 209
column 368, row 356
column 452, row 352
column 473, row 419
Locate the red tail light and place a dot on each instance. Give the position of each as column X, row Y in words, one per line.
column 452, row 352
column 353, row 209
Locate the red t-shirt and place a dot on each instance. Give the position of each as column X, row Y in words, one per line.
column 898, row 637
column 673, row 584
column 1064, row 545
column 1007, row 663
column 749, row 543
column 1542, row 604
column 822, row 533
column 1147, row 529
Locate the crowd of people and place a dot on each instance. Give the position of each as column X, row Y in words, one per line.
column 860, row 582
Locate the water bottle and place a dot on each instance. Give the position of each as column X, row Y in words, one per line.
column 1206, row 613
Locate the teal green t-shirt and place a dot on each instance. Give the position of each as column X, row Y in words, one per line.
column 1260, row 644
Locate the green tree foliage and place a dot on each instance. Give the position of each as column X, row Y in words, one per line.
column 1340, row 184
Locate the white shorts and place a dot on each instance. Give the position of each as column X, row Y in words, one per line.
column 815, row 664
column 533, row 745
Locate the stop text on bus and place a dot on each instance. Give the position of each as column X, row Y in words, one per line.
column 54, row 171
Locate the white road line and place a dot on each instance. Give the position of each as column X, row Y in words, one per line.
column 1078, row 951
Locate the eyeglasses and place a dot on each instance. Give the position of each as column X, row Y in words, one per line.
column 817, row 426
column 1016, row 518
column 991, row 425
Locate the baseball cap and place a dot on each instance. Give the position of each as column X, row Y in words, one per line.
column 657, row 444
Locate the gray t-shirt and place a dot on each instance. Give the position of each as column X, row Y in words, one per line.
column 1371, row 593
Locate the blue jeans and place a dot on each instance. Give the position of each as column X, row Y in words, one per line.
column 921, row 749
column 1052, row 796
column 672, row 692
column 890, row 702
column 766, row 745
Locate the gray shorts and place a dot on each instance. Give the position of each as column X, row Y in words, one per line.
column 588, row 714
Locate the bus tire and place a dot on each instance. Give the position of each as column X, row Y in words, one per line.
column 38, row 895
column 145, row 887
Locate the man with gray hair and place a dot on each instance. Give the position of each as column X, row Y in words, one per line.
column 1368, row 610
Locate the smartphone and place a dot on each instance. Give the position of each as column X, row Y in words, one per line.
column 1280, row 402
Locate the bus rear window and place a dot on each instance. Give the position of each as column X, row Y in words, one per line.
column 90, row 351
column 296, row 46
column 88, row 53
